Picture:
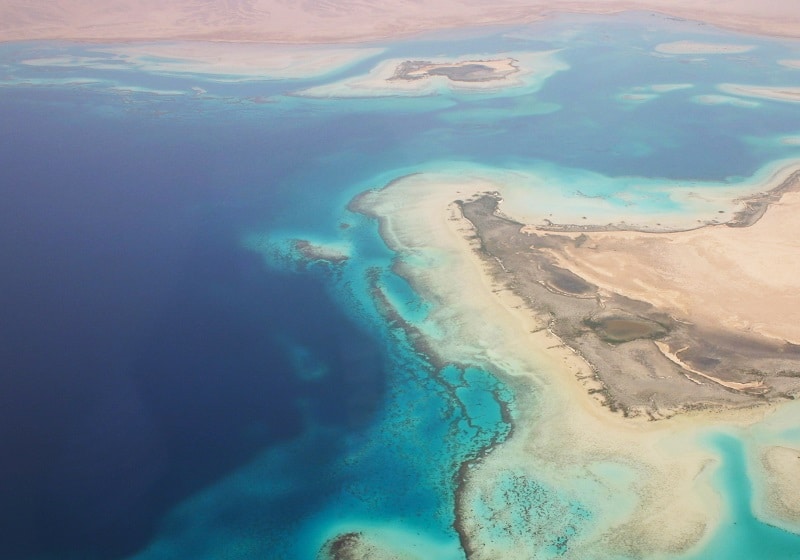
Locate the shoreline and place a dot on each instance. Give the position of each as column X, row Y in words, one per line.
column 671, row 505
column 343, row 24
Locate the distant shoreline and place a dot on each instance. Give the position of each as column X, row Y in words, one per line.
column 341, row 22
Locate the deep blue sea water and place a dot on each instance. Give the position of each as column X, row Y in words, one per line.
column 143, row 347
column 169, row 392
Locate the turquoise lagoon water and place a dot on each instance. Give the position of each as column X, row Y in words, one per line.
column 183, row 382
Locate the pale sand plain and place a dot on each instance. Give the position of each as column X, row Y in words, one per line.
column 648, row 482
column 742, row 278
column 343, row 20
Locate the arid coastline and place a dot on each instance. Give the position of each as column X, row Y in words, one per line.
column 344, row 20
column 615, row 330
column 664, row 503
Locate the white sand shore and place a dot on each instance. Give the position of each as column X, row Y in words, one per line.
column 343, row 20
column 648, row 483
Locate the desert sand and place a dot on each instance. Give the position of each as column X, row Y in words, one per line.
column 744, row 278
column 343, row 20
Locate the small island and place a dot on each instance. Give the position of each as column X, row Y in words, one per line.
column 475, row 73
column 464, row 71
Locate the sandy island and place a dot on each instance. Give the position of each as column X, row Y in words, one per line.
column 472, row 73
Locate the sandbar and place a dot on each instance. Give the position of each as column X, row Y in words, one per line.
column 781, row 500
column 713, row 99
column 790, row 94
column 224, row 61
column 694, row 47
column 641, row 94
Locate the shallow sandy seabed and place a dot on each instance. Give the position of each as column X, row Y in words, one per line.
column 343, row 20
column 224, row 60
column 789, row 94
column 647, row 483
column 774, row 461
column 546, row 195
column 724, row 100
column 781, row 467
column 641, row 94
column 666, row 88
column 693, row 47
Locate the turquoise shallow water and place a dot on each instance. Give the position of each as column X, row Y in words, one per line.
column 366, row 434
column 741, row 535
